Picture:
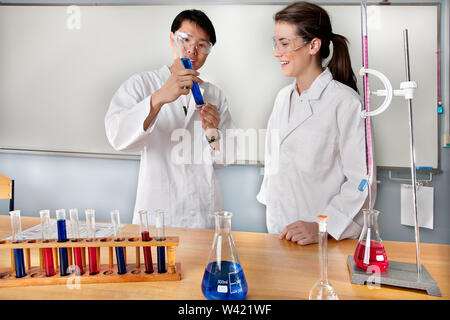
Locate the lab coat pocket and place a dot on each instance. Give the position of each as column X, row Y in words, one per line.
column 314, row 151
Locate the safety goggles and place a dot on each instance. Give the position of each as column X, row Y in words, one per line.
column 286, row 45
column 188, row 41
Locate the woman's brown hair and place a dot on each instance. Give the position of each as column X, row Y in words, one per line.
column 312, row 22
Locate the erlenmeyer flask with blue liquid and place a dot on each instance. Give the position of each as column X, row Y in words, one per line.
column 224, row 277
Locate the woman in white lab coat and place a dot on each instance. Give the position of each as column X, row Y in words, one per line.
column 153, row 112
column 315, row 145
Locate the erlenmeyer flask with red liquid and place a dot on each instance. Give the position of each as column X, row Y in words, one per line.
column 370, row 254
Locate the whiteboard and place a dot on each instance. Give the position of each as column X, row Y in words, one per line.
column 56, row 83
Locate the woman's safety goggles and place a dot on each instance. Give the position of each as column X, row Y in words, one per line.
column 188, row 41
column 286, row 45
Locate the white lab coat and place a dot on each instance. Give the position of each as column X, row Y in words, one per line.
column 318, row 162
column 186, row 188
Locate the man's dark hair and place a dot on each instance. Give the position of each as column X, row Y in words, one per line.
column 199, row 18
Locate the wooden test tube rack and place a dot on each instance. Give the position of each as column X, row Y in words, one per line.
column 108, row 272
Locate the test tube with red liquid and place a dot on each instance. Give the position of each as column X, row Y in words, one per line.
column 46, row 234
column 145, row 234
column 92, row 251
column 75, row 226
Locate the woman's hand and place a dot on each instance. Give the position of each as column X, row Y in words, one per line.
column 301, row 232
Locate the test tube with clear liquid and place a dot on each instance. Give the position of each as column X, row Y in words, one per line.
column 62, row 237
column 46, row 235
column 120, row 255
column 160, row 236
column 322, row 289
column 145, row 234
column 92, row 251
column 16, row 238
column 77, row 252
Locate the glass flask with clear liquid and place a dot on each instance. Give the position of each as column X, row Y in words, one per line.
column 370, row 254
column 224, row 277
column 322, row 289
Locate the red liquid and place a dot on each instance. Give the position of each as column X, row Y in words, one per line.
column 378, row 261
column 93, row 265
column 147, row 253
column 78, row 260
column 48, row 259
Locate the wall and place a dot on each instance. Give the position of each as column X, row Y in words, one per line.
column 64, row 182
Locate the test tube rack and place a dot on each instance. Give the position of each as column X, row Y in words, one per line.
column 107, row 272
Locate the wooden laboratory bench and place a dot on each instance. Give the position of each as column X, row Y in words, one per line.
column 274, row 269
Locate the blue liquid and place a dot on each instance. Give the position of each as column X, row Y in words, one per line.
column 226, row 283
column 161, row 253
column 62, row 234
column 63, row 262
column 19, row 262
column 195, row 88
column 121, row 267
column 63, row 258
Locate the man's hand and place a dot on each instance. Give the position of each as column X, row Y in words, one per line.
column 210, row 116
column 179, row 83
column 301, row 232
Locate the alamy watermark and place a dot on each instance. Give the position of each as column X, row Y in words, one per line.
column 234, row 146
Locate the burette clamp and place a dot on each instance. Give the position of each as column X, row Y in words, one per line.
column 406, row 89
column 387, row 92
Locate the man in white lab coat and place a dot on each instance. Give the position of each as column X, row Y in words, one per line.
column 154, row 113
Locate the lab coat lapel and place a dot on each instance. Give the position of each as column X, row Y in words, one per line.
column 192, row 109
column 294, row 123
column 313, row 93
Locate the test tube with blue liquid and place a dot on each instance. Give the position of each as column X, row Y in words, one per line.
column 92, row 251
column 46, row 235
column 16, row 238
column 62, row 237
column 120, row 255
column 184, row 42
column 199, row 102
column 160, row 236
column 77, row 254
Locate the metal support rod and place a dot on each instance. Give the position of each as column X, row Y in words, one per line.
column 412, row 156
